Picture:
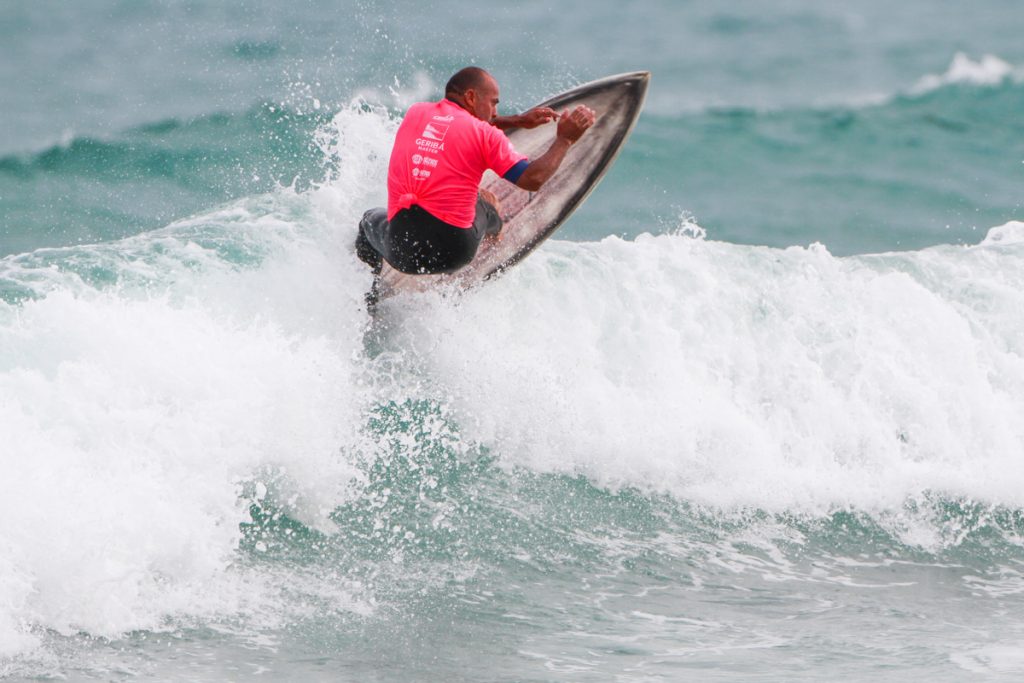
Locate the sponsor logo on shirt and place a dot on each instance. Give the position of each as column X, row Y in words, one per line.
column 418, row 159
column 429, row 146
column 435, row 131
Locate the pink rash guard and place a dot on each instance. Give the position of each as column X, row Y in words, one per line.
column 441, row 151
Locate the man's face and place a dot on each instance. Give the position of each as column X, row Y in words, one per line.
column 483, row 101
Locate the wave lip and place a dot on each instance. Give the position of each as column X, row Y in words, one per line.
column 1006, row 234
column 988, row 71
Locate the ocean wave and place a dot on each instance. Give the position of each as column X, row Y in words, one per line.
column 744, row 376
column 208, row 405
column 89, row 189
column 910, row 172
column 173, row 147
column 1009, row 233
column 990, row 70
column 232, row 425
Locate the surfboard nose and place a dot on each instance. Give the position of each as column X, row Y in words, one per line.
column 642, row 80
column 643, row 77
column 632, row 85
column 629, row 87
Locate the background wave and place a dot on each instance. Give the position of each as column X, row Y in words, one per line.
column 92, row 189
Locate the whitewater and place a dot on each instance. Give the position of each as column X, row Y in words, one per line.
column 160, row 391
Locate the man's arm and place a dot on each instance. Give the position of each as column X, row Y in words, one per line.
column 571, row 128
column 531, row 119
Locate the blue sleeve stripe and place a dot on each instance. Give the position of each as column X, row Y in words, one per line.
column 512, row 174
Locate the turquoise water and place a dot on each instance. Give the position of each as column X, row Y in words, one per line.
column 754, row 415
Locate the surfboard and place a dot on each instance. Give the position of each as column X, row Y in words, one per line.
column 532, row 217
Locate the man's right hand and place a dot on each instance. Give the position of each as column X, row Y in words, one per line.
column 572, row 125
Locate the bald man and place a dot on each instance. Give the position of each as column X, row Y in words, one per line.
column 436, row 214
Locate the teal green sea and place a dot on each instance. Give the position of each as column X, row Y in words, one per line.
column 752, row 414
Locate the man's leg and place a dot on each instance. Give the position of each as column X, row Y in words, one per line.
column 370, row 240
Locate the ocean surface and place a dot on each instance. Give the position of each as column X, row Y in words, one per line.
column 755, row 414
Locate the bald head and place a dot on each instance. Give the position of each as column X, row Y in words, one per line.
column 474, row 90
column 471, row 77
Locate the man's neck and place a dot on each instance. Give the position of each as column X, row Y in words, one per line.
column 457, row 101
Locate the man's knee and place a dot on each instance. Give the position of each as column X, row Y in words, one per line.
column 369, row 241
column 373, row 221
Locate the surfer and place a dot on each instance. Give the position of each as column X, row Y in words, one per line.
column 436, row 214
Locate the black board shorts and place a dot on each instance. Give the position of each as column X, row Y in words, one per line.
column 417, row 242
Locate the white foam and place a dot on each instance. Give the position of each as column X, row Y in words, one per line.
column 996, row 659
column 1005, row 234
column 130, row 427
column 140, row 418
column 988, row 71
column 742, row 376
column 134, row 422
